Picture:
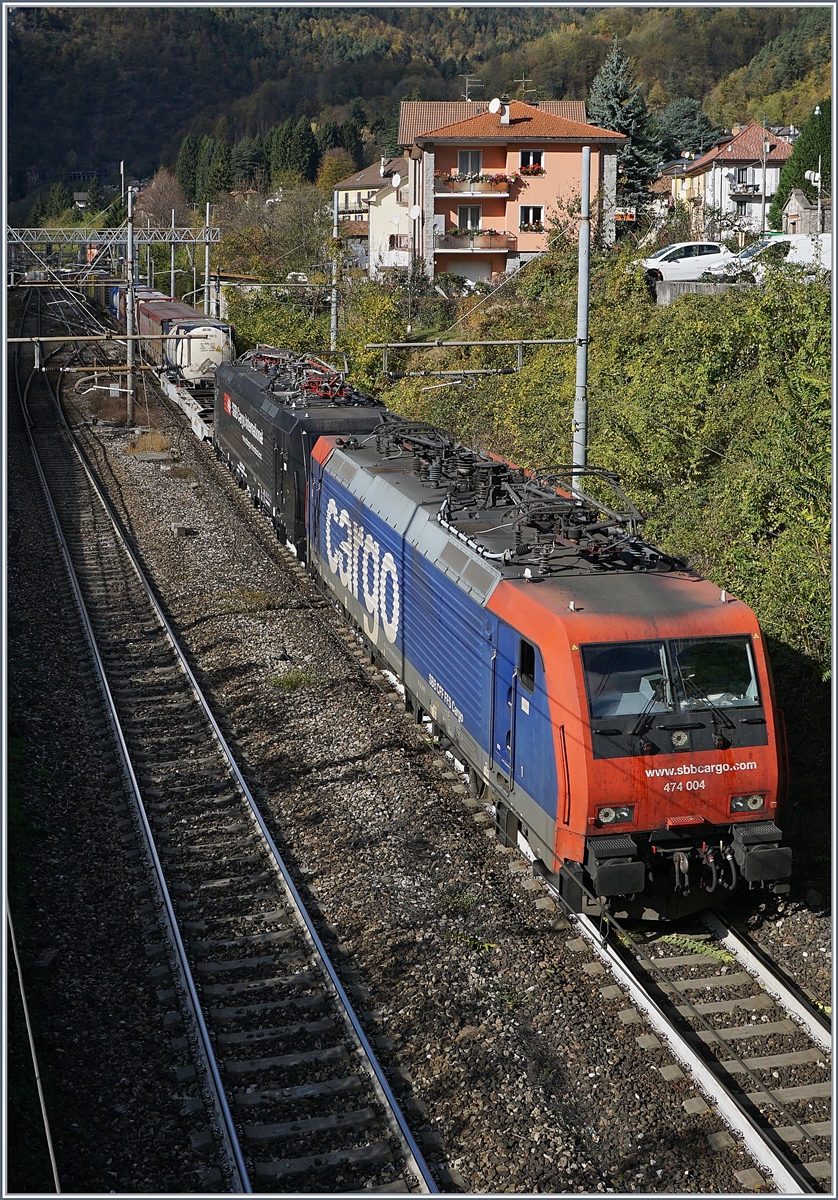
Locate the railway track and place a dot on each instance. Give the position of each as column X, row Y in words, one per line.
column 273, row 1051
column 755, row 1047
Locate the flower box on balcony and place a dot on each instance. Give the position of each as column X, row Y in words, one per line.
column 472, row 183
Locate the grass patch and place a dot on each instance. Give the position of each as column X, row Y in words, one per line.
column 245, row 600
column 291, row 681
column 149, row 441
column 697, row 947
column 457, row 900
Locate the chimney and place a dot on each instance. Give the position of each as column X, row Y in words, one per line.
column 504, row 111
column 382, row 170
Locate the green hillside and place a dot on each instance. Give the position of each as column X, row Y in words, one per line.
column 89, row 86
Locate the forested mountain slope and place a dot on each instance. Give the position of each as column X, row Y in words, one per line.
column 93, row 85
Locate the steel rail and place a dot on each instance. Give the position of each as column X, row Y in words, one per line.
column 758, row 965
column 381, row 1086
column 226, row 1122
column 789, row 1178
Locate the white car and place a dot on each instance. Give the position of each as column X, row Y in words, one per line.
column 799, row 249
column 685, row 260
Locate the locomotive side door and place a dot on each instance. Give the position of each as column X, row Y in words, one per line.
column 504, row 690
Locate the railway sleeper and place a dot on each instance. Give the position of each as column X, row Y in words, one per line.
column 279, row 1033
column 303, row 979
column 364, row 1156
column 254, row 939
column 315, row 1001
column 364, row 1118
column 303, row 1091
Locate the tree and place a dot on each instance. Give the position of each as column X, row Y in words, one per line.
column 163, row 194
column 815, row 142
column 303, row 154
column 616, row 102
column 219, row 174
column 335, row 165
column 350, row 138
column 248, row 162
column 327, row 135
column 95, row 195
column 206, row 149
column 59, row 199
column 682, row 126
column 279, row 147
column 37, row 213
column 187, row 166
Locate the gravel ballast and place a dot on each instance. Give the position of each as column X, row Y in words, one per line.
column 526, row 1078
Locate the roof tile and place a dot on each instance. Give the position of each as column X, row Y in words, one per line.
column 418, row 117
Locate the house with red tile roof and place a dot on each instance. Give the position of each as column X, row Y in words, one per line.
column 482, row 185
column 737, row 178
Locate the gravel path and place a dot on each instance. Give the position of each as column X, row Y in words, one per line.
column 527, row 1078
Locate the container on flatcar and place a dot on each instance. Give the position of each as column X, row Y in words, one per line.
column 615, row 707
column 202, row 344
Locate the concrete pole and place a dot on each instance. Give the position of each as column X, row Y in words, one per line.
column 333, row 324
column 580, row 404
column 172, row 260
column 820, row 221
column 207, row 265
column 129, row 309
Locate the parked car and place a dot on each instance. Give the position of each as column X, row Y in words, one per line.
column 685, row 260
column 799, row 249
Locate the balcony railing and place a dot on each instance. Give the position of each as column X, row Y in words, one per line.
column 746, row 189
column 475, row 240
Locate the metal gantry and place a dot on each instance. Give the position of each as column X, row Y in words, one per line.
column 104, row 238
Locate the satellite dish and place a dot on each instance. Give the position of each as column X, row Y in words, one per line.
column 415, row 212
column 494, row 105
column 396, row 180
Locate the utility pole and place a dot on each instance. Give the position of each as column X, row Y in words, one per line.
column 766, row 149
column 333, row 324
column 172, row 260
column 129, row 309
column 207, row 265
column 580, row 404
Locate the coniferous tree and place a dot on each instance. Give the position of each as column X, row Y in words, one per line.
column 187, row 166
column 303, row 154
column 206, row 149
column 682, row 126
column 37, row 213
column 815, row 142
column 350, row 138
column 616, row 102
column 219, row 177
column 280, row 147
column 327, row 136
column 59, row 199
column 95, row 195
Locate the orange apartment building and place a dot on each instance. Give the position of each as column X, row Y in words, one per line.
column 482, row 186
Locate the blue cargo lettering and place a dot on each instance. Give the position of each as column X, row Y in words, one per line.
column 358, row 563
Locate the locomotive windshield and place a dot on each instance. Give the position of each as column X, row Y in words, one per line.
column 630, row 678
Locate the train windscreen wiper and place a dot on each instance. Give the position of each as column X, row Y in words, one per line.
column 643, row 722
column 699, row 694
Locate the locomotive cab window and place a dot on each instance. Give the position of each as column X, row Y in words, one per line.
column 627, row 679
column 715, row 673
column 526, row 665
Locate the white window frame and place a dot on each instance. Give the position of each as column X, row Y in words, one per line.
column 528, row 158
column 531, row 219
column 470, row 157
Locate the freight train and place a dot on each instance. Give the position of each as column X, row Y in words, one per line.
column 200, row 344
column 614, row 707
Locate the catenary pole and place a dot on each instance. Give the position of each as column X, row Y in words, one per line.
column 129, row 308
column 207, row 265
column 172, row 260
column 580, row 404
column 333, row 325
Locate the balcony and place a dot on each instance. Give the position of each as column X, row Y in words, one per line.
column 479, row 185
column 475, row 240
column 745, row 189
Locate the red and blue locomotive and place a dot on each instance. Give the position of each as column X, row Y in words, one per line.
column 615, row 708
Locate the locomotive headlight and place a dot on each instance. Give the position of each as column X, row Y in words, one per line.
column 754, row 802
column 612, row 816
